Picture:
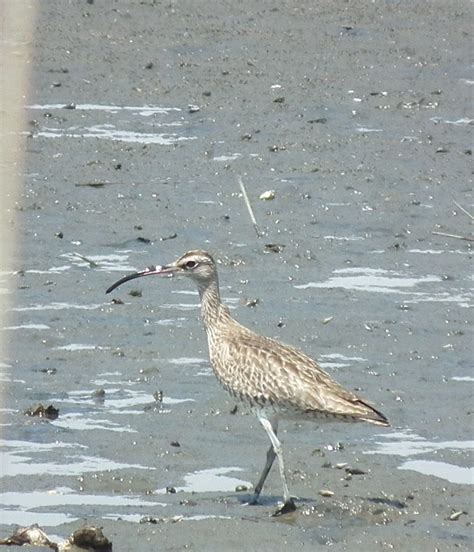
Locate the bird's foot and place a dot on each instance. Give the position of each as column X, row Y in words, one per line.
column 288, row 507
column 254, row 500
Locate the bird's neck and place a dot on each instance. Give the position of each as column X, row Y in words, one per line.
column 211, row 306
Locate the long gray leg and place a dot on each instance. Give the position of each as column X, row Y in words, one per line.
column 271, row 455
column 288, row 504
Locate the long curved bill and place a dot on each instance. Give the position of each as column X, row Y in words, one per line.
column 150, row 271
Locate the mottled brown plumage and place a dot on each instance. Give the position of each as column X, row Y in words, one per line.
column 273, row 379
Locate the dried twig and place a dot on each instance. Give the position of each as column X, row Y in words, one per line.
column 463, row 210
column 249, row 207
column 467, row 238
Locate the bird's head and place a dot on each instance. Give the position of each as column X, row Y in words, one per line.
column 196, row 264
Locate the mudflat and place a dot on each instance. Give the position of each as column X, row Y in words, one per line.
column 354, row 120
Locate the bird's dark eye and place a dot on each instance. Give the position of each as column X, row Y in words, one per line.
column 191, row 264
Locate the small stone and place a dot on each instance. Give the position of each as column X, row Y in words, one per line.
column 268, row 195
column 326, row 492
column 355, row 471
column 169, row 237
column 32, row 535
column 48, row 371
column 49, row 412
column 98, row 393
column 148, row 519
column 91, row 538
column 275, row 247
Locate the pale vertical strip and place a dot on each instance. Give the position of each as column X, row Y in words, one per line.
column 16, row 41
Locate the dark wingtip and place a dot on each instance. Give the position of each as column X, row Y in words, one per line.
column 379, row 418
column 373, row 415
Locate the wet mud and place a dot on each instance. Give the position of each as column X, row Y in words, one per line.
column 351, row 126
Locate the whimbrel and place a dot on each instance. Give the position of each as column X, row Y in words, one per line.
column 275, row 380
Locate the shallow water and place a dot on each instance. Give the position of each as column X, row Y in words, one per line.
column 39, row 507
column 116, row 120
column 211, row 480
column 378, row 280
column 408, row 445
